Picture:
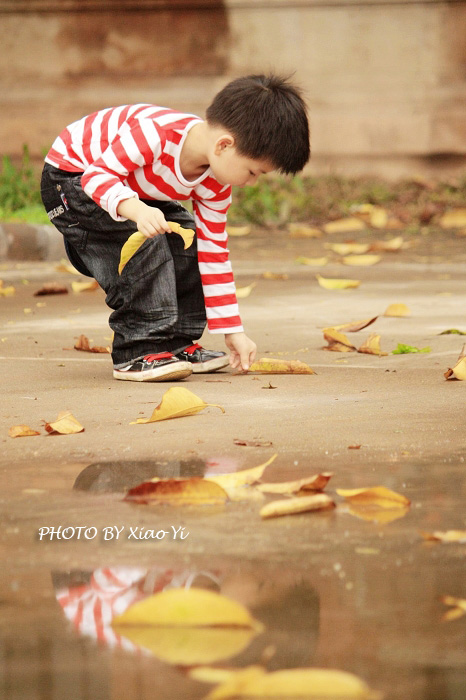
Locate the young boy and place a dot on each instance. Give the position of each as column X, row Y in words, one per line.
column 123, row 169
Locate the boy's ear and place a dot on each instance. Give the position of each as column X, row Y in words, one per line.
column 223, row 142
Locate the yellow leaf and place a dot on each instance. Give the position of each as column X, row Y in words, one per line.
column 187, row 234
column 270, row 365
column 455, row 218
column 459, row 370
column 312, row 262
column 6, row 291
column 352, row 326
column 136, row 240
column 378, row 217
column 376, row 495
column 177, row 492
column 187, row 607
column 176, row 403
column 337, row 342
column 66, row 424
column 361, row 260
column 372, row 346
column 349, row 248
column 376, row 514
column 290, row 506
column 397, row 310
column 274, row 275
column 243, row 292
column 345, row 225
column 391, row 246
column 304, row 231
column 311, row 483
column 241, row 478
column 84, row 286
column 65, row 266
column 238, row 230
column 21, row 431
column 189, row 646
column 458, row 536
column 459, row 608
column 294, row 683
column 328, row 283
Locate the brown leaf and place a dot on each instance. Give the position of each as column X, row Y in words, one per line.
column 51, row 288
column 337, row 342
column 353, row 326
column 178, row 492
column 270, row 365
column 311, row 483
column 21, row 431
column 290, row 506
column 66, row 424
column 372, row 346
column 354, row 447
column 458, row 536
column 83, row 344
column 252, row 443
column 379, row 496
column 459, row 370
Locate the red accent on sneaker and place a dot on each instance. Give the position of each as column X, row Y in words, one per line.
column 192, row 348
column 158, row 356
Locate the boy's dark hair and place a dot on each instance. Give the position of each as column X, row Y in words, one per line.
column 268, row 118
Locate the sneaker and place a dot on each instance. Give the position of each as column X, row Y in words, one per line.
column 160, row 367
column 202, row 360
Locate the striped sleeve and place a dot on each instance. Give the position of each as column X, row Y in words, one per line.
column 214, row 264
column 136, row 144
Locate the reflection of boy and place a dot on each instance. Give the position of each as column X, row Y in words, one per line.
column 121, row 169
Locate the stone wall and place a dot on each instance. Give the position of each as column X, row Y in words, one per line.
column 385, row 79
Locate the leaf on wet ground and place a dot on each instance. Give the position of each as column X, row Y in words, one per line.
column 177, row 492
column 346, row 249
column 311, row 483
column 21, row 431
column 379, row 496
column 297, row 230
column 255, row 682
column 51, row 288
column 455, row 218
column 271, row 365
column 458, row 536
column 337, row 342
column 243, row 292
column 353, row 326
column 238, row 230
column 84, row 286
column 372, row 346
column 345, row 225
column 312, row 262
column 244, row 477
column 404, row 349
column 66, row 424
column 335, row 283
column 268, row 275
column 291, row 506
column 177, row 402
column 376, row 514
column 361, row 260
column 459, row 370
column 83, row 344
column 6, row 291
column 458, row 608
column 397, row 310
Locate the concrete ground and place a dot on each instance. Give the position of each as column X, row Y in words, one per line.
column 333, row 589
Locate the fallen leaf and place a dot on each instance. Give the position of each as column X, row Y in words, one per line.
column 378, row 217
column 252, row 443
column 328, row 283
column 448, row 536
column 270, row 365
column 84, row 286
column 309, row 683
column 459, row 608
column 83, row 344
column 243, row 292
column 187, row 607
column 377, row 514
column 304, row 231
column 177, row 492
column 354, row 447
column 349, row 248
column 65, row 266
column 459, row 370
column 361, row 260
column 372, row 346
column 311, row 483
column 345, row 225
column 242, row 478
column 461, row 232
column 391, row 246
column 337, row 342
column 27, row 311
column 455, row 218
column 313, row 262
column 270, row 386
column 21, row 431
column 290, row 506
column 274, row 276
column 353, row 326
column 453, row 331
column 403, row 349
column 66, row 424
column 397, row 310
column 377, row 495
column 238, row 230
column 176, row 403
column 51, row 288
column 6, row 291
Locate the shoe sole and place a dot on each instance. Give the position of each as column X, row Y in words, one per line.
column 210, row 365
column 162, row 374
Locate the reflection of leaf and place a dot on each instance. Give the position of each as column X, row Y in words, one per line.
column 304, row 231
column 458, row 536
column 372, row 346
column 397, row 310
column 177, row 492
column 255, row 682
column 243, row 292
column 458, row 610
column 21, row 431
column 176, row 403
column 83, row 344
column 241, row 478
column 311, row 483
column 376, row 495
column 376, row 514
column 351, row 223
column 361, row 260
column 403, row 349
column 290, row 506
column 337, row 342
column 271, row 365
column 328, row 283
column 66, row 424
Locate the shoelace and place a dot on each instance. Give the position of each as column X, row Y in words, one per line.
column 158, row 356
column 193, row 348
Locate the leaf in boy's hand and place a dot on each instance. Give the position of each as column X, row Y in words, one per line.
column 328, row 283
column 187, row 234
column 270, row 365
column 177, row 402
column 66, row 424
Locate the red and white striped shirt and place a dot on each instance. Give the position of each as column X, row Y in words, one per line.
column 135, row 150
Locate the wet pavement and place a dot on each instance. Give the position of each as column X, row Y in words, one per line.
column 354, row 589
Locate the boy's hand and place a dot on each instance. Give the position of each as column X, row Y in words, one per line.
column 149, row 220
column 242, row 350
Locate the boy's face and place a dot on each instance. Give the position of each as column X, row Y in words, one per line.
column 232, row 168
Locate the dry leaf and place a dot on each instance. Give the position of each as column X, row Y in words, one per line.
column 177, row 492
column 458, row 536
column 290, row 506
column 243, row 292
column 252, row 443
column 274, row 276
column 345, row 225
column 187, row 234
column 21, row 431
column 313, row 262
column 372, row 346
column 136, row 240
column 378, row 217
column 379, row 496
column 349, row 248
column 328, row 283
column 176, row 403
column 238, row 230
column 361, row 260
column 397, row 310
column 304, row 231
column 455, row 218
column 187, row 607
column 352, row 326
column 51, row 288
column 311, row 483
column 244, row 477
column 66, row 424
column 459, row 608
column 6, row 291
column 337, row 342
column 270, row 365
column 309, row 683
column 84, row 286
column 459, row 370
column 65, row 266
column 391, row 246
column 83, row 344
column 377, row 514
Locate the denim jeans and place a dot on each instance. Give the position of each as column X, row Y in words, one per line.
column 157, row 301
